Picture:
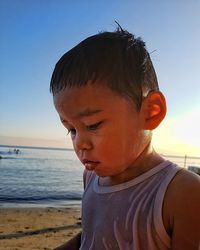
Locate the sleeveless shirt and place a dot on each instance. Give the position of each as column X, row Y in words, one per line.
column 126, row 216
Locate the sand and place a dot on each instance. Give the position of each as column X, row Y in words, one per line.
column 37, row 228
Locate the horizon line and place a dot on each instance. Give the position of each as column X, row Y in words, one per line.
column 36, row 147
column 71, row 149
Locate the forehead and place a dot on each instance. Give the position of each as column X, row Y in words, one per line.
column 89, row 99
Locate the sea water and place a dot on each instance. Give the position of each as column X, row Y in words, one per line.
column 39, row 177
column 48, row 177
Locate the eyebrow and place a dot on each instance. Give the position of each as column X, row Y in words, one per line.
column 87, row 112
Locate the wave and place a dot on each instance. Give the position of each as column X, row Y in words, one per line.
column 40, row 199
column 8, row 158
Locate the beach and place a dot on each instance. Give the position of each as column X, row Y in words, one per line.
column 37, row 228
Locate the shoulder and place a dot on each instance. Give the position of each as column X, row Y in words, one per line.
column 184, row 184
column 181, row 209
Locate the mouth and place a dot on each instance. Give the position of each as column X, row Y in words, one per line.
column 90, row 165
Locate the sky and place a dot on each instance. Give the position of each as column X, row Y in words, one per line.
column 35, row 34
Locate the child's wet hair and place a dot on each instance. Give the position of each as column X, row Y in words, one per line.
column 116, row 59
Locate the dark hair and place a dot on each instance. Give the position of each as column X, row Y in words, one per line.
column 117, row 59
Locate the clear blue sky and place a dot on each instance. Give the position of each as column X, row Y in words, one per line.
column 35, row 34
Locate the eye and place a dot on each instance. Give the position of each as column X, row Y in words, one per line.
column 94, row 126
column 71, row 131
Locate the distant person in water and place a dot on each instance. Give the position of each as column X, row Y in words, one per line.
column 17, row 151
column 106, row 93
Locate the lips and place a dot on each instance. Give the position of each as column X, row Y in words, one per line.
column 90, row 165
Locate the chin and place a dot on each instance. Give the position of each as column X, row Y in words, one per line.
column 100, row 173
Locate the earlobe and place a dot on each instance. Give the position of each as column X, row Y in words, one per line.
column 154, row 109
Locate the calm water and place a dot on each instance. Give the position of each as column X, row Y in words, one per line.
column 46, row 177
column 39, row 177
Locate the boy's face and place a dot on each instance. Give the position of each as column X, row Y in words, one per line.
column 106, row 130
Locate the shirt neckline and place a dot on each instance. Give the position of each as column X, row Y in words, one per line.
column 115, row 188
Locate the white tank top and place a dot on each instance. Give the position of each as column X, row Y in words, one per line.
column 127, row 216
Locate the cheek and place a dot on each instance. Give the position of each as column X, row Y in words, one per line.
column 75, row 149
column 107, row 141
column 112, row 150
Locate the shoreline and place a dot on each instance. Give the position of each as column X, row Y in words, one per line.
column 37, row 228
column 15, row 205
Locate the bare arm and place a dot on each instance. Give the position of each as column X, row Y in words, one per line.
column 73, row 244
column 183, row 206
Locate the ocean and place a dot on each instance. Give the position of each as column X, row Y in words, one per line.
column 39, row 177
column 46, row 177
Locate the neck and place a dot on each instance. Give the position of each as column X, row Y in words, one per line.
column 147, row 160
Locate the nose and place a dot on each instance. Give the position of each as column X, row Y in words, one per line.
column 82, row 142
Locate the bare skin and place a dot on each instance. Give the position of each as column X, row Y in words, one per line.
column 112, row 140
column 181, row 211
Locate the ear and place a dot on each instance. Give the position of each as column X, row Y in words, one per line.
column 154, row 109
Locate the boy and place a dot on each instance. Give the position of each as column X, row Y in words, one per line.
column 107, row 96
